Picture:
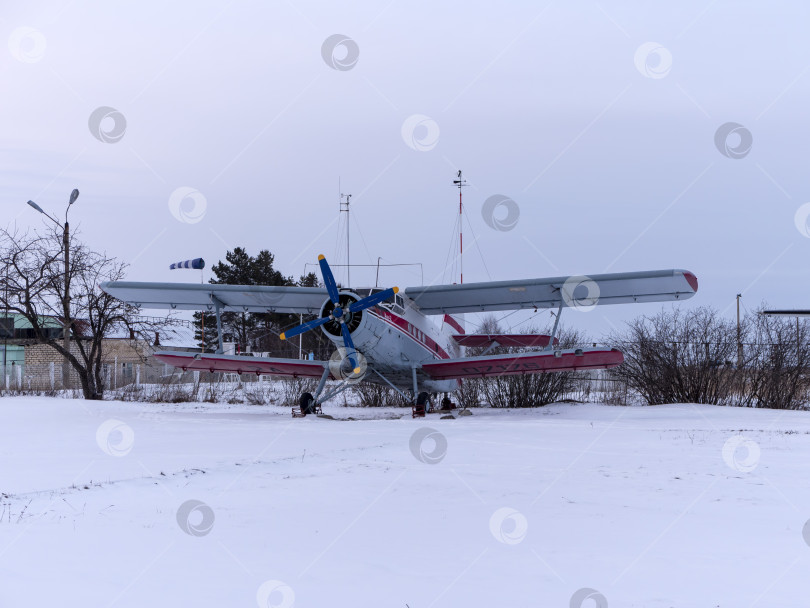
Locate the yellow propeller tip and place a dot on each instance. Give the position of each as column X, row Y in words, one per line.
column 282, row 336
column 357, row 370
column 321, row 257
column 396, row 289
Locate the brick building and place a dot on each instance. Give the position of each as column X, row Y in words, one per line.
column 27, row 364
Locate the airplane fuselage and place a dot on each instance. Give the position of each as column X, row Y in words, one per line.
column 395, row 338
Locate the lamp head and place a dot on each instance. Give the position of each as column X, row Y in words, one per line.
column 73, row 196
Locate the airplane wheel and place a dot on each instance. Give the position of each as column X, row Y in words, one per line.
column 423, row 398
column 307, row 403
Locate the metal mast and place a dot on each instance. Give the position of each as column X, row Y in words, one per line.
column 460, row 183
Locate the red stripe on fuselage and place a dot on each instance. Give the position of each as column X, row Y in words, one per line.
column 409, row 329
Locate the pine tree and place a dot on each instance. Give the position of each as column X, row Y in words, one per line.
column 246, row 329
column 259, row 330
column 210, row 321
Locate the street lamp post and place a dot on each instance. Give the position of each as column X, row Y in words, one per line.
column 66, row 298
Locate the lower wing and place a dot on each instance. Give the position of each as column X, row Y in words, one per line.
column 239, row 364
column 524, row 363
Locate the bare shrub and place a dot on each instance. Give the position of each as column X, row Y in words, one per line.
column 293, row 388
column 776, row 364
column 469, row 393
column 527, row 390
column 377, row 395
column 678, row 356
column 257, row 393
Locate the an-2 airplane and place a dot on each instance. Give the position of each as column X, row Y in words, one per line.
column 386, row 336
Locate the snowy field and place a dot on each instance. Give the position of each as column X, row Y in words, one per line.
column 664, row 506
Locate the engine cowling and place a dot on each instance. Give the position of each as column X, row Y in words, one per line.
column 352, row 319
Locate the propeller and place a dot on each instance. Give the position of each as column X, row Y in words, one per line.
column 338, row 314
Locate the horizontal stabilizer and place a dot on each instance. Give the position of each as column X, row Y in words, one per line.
column 786, row 313
column 523, row 363
column 479, row 340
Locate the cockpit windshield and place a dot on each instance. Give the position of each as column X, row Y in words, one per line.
column 395, row 304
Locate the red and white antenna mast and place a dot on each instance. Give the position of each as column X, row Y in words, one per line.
column 460, row 183
column 345, row 200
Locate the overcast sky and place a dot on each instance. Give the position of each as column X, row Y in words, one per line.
column 230, row 124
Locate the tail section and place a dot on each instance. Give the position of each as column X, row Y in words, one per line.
column 453, row 325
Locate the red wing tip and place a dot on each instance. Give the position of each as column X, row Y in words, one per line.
column 692, row 280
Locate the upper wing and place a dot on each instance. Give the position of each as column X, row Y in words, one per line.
column 576, row 291
column 523, row 363
column 240, row 364
column 241, row 298
column 786, row 313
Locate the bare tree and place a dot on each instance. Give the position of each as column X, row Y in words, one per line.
column 33, row 280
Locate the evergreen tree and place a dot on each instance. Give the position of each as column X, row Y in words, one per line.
column 260, row 331
column 246, row 329
column 312, row 341
column 309, row 280
column 210, row 323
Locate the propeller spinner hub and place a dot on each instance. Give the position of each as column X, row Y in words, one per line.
column 337, row 312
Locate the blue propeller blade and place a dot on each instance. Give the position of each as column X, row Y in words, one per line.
column 372, row 300
column 329, row 280
column 304, row 328
column 347, row 342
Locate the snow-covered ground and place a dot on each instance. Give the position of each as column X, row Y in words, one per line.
column 664, row 506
